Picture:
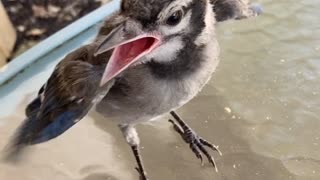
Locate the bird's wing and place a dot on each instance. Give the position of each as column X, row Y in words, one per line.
column 34, row 106
column 64, row 100
column 67, row 96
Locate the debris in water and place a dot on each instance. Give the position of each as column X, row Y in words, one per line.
column 228, row 110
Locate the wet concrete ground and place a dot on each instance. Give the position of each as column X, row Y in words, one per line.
column 261, row 108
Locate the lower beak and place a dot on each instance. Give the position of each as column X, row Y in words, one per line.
column 127, row 49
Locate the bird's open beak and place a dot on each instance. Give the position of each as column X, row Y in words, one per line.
column 128, row 49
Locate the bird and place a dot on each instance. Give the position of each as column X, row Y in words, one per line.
column 148, row 59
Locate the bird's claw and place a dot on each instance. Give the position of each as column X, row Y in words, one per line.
column 197, row 144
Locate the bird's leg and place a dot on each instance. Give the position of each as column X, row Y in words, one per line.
column 132, row 138
column 197, row 144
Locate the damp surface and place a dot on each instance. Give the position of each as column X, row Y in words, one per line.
column 261, row 108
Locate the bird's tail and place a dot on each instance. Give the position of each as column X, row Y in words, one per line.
column 20, row 140
column 36, row 130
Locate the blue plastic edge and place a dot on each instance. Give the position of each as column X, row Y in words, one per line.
column 32, row 55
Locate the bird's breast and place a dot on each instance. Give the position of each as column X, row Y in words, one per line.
column 140, row 96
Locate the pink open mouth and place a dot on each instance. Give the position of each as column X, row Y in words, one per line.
column 128, row 53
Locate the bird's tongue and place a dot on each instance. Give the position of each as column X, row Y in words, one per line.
column 126, row 54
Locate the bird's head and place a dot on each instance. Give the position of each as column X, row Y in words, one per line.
column 154, row 30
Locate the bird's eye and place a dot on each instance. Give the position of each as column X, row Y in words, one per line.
column 175, row 18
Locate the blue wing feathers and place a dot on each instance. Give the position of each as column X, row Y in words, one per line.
column 49, row 120
column 62, row 101
column 58, row 126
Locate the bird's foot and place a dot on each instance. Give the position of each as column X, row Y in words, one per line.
column 197, row 144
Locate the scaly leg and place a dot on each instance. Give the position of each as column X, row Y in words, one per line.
column 133, row 140
column 197, row 144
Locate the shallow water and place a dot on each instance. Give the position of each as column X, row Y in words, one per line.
column 261, row 108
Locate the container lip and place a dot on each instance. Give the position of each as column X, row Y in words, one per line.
column 29, row 57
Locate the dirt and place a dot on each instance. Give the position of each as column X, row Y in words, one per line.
column 35, row 20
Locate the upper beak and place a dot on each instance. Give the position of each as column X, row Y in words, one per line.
column 128, row 48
